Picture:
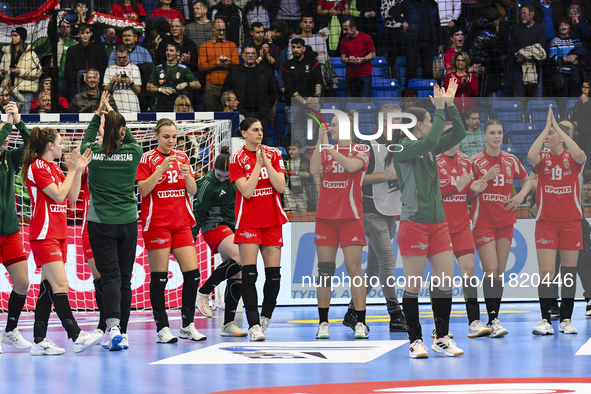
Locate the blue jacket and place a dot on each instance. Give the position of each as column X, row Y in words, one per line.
column 409, row 11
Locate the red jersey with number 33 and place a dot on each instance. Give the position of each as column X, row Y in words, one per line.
column 455, row 203
column 49, row 219
column 558, row 195
column 263, row 209
column 341, row 195
column 168, row 205
column 489, row 208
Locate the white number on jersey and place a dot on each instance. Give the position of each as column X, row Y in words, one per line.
column 336, row 167
column 264, row 174
column 556, row 173
column 499, row 180
column 173, row 176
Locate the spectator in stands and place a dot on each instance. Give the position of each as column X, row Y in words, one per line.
column 582, row 118
column 170, row 79
column 45, row 86
column 366, row 13
column 317, row 43
column 467, row 83
column 421, row 34
column 527, row 36
column 129, row 10
column 456, row 36
column 230, row 103
column 189, row 53
column 83, row 57
column 84, row 102
column 586, row 191
column 109, row 37
column 357, row 51
column 487, row 50
column 302, row 80
column 166, row 11
column 298, row 177
column 124, row 81
column 267, row 52
column 409, row 98
column 326, row 9
column 199, row 31
column 138, row 55
column 44, row 100
column 560, row 58
column 277, row 34
column 474, row 141
column 579, row 25
column 289, row 12
column 393, row 33
column 183, row 104
column 215, row 58
column 548, row 13
column 79, row 16
column 234, row 18
column 20, row 70
column 449, row 13
column 253, row 87
column 258, row 11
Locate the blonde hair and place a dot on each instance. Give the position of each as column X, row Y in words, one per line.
column 182, row 99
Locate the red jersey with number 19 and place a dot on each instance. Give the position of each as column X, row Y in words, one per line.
column 341, row 194
column 558, row 195
column 489, row 208
column 49, row 220
column 168, row 205
column 263, row 209
column 455, row 204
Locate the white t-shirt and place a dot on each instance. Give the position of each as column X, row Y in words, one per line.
column 125, row 98
column 318, row 45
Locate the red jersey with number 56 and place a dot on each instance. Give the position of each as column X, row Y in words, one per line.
column 558, row 195
column 168, row 205
column 263, row 209
column 455, row 203
column 341, row 195
column 49, row 219
column 489, row 208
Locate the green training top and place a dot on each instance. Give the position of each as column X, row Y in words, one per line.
column 11, row 162
column 416, row 166
column 214, row 204
column 111, row 180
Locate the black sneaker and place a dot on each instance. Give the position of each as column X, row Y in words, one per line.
column 397, row 322
column 350, row 319
column 555, row 311
column 588, row 308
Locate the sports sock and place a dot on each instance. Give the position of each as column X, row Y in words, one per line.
column 16, row 302
column 190, row 287
column 270, row 290
column 225, row 270
column 567, row 293
column 158, row 282
column 231, row 299
column 323, row 315
column 64, row 312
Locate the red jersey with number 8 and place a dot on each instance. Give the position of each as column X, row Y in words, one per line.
column 263, row 209
column 558, row 195
column 489, row 208
column 49, row 220
column 455, row 203
column 168, row 205
column 341, row 195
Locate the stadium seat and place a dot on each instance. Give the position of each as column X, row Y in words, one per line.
column 331, row 105
column 368, row 106
column 538, row 109
column 379, row 101
column 570, row 106
column 508, row 111
column 283, row 151
column 422, row 84
column 341, row 72
column 385, row 87
column 337, row 63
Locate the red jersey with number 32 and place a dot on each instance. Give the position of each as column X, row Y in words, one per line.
column 168, row 205
column 263, row 209
column 558, row 195
column 341, row 195
column 489, row 208
column 455, row 204
column 49, row 219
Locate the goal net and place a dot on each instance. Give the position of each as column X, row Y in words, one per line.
column 201, row 140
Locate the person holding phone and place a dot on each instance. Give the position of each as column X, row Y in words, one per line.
column 124, row 81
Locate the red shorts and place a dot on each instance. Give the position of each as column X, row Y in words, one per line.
column 49, row 250
column 484, row 235
column 86, row 249
column 163, row 238
column 215, row 236
column 11, row 249
column 463, row 242
column 268, row 236
column 559, row 235
column 346, row 232
column 420, row 239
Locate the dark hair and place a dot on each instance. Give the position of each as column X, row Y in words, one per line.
column 567, row 21
column 296, row 143
column 298, row 40
column 530, row 6
column 246, row 123
column 111, row 141
column 306, row 15
column 133, row 5
column 256, row 24
column 129, row 28
column 36, row 148
column 491, row 122
column 409, row 92
column 164, row 122
column 453, row 30
column 279, row 25
column 248, row 46
column 204, row 2
column 472, row 112
column 175, row 44
column 83, row 27
column 106, row 29
column 121, row 48
column 223, row 159
column 352, row 23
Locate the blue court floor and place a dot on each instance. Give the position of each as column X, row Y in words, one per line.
column 291, row 356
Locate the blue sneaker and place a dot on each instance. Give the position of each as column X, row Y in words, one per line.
column 115, row 339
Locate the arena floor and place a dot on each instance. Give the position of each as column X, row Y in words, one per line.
column 293, row 361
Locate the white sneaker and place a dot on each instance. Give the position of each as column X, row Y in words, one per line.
column 115, row 339
column 232, row 330
column 323, row 330
column 86, row 339
column 544, row 327
column 101, row 332
column 588, row 308
column 434, row 333
column 190, row 332
column 46, row 348
column 477, row 329
column 125, row 341
column 165, row 336
column 566, row 327
column 256, row 333
column 361, row 331
column 265, row 324
column 14, row 338
column 447, row 346
column 203, row 305
column 418, row 349
column 496, row 329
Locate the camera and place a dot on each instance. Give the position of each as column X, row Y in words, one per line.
column 123, row 74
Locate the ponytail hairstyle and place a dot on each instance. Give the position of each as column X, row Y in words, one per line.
column 245, row 125
column 491, row 122
column 37, row 146
column 111, row 139
column 164, row 122
column 420, row 114
column 223, row 160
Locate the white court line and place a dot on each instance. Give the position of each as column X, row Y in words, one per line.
column 585, row 350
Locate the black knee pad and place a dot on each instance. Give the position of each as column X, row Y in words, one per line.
column 45, row 291
column 273, row 273
column 249, row 275
column 326, row 271
column 158, row 280
column 231, row 267
column 191, row 278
